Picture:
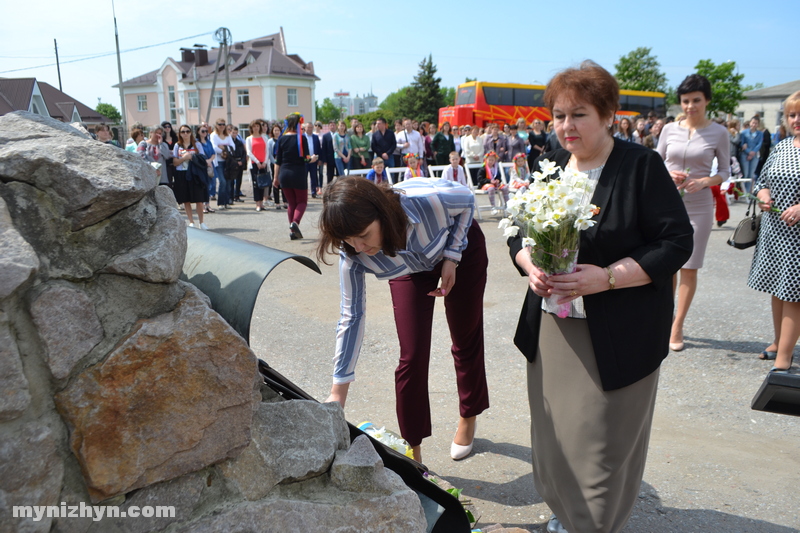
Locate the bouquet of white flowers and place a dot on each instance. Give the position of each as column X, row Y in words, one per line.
column 550, row 214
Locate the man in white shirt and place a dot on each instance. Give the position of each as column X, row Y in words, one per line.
column 314, row 149
column 410, row 141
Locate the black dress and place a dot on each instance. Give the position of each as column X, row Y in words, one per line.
column 293, row 173
column 187, row 190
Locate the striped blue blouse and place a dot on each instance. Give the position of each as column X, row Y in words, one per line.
column 439, row 215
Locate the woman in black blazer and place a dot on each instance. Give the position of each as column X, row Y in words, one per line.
column 592, row 377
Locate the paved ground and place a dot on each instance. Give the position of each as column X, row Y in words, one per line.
column 714, row 464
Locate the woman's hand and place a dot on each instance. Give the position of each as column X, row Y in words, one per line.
column 587, row 279
column 448, row 279
column 766, row 199
column 678, row 177
column 338, row 393
column 790, row 216
column 537, row 279
column 692, row 186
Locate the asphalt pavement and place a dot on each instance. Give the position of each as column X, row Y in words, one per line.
column 714, row 465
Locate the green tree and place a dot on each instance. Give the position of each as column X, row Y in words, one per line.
column 367, row 118
column 640, row 71
column 449, row 95
column 327, row 111
column 393, row 102
column 110, row 112
column 424, row 97
column 726, row 86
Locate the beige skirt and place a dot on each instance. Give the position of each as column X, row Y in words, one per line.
column 589, row 446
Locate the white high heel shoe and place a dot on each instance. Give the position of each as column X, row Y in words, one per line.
column 458, row 452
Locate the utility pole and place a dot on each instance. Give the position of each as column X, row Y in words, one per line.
column 58, row 66
column 223, row 37
column 119, row 74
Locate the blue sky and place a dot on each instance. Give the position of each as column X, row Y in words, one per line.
column 357, row 45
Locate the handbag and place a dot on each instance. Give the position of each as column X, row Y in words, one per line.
column 746, row 233
column 263, row 179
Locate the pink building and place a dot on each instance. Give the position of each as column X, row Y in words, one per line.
column 266, row 82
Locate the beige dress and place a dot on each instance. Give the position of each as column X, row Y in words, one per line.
column 695, row 152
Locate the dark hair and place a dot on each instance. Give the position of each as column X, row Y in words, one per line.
column 172, row 135
column 380, row 119
column 349, row 206
column 102, row 126
column 589, row 83
column 136, row 132
column 692, row 83
column 291, row 122
column 257, row 122
column 629, row 130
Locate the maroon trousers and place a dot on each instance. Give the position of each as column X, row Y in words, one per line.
column 413, row 313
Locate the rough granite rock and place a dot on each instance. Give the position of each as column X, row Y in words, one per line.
column 315, row 506
column 14, row 394
column 91, row 179
column 68, row 254
column 30, row 474
column 182, row 493
column 160, row 258
column 291, row 441
column 18, row 261
column 360, row 469
column 175, row 396
column 68, row 324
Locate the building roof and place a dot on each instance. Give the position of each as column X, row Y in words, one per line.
column 17, row 92
column 264, row 56
column 776, row 91
column 15, row 95
column 5, row 105
column 59, row 103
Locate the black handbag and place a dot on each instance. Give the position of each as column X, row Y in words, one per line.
column 263, row 178
column 746, row 233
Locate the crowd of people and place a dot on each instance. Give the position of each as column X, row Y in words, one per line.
column 592, row 380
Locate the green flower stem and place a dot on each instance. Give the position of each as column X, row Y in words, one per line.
column 756, row 198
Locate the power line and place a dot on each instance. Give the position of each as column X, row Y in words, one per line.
column 106, row 53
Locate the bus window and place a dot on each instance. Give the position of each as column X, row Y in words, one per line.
column 466, row 96
column 660, row 106
column 528, row 97
column 640, row 104
column 498, row 95
column 623, row 102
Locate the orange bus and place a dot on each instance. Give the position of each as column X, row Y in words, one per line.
column 479, row 103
